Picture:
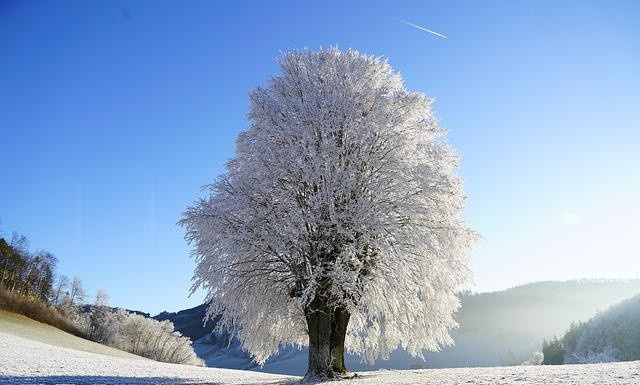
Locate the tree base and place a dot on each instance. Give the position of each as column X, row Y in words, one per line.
column 331, row 376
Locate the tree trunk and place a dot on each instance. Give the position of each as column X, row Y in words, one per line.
column 327, row 330
column 339, row 323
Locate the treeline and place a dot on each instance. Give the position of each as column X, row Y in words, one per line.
column 612, row 335
column 29, row 279
column 28, row 274
column 29, row 286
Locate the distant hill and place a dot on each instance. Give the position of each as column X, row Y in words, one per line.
column 497, row 328
column 612, row 335
column 541, row 307
column 189, row 322
column 86, row 308
column 504, row 327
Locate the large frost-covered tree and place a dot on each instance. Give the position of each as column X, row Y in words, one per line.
column 338, row 222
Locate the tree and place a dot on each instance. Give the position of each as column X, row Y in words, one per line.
column 77, row 294
column 6, row 254
column 572, row 337
column 40, row 275
column 102, row 298
column 553, row 352
column 338, row 222
column 101, row 319
column 16, row 258
column 25, row 273
column 61, row 285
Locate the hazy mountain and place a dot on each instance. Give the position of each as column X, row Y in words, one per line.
column 496, row 328
column 504, row 327
column 541, row 307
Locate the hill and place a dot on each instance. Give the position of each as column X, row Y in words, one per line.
column 505, row 327
column 497, row 328
column 28, row 329
column 613, row 335
column 189, row 322
column 541, row 307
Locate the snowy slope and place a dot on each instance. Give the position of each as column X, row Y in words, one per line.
column 24, row 361
column 18, row 325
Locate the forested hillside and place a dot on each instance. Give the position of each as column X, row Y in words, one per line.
column 612, row 335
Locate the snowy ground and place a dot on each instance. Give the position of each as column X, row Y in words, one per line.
column 33, row 353
column 24, row 361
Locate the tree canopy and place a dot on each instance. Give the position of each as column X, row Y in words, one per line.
column 342, row 197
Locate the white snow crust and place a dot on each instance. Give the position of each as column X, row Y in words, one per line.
column 23, row 361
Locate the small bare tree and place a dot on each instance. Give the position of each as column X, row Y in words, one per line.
column 77, row 295
column 60, row 288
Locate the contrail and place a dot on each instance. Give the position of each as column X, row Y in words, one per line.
column 421, row 28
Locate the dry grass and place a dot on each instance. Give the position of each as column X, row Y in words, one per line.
column 36, row 310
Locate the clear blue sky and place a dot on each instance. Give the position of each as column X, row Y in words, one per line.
column 113, row 115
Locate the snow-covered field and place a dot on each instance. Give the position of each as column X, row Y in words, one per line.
column 34, row 353
column 24, row 361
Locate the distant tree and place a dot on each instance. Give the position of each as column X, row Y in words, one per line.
column 101, row 320
column 40, row 276
column 6, row 252
column 71, row 312
column 572, row 336
column 338, row 222
column 16, row 262
column 20, row 243
column 77, row 294
column 536, row 358
column 553, row 352
column 102, row 298
column 25, row 273
column 61, row 285
column 510, row 359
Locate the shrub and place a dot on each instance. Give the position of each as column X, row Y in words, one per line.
column 137, row 334
column 536, row 358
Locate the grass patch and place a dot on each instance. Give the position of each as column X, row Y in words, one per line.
column 36, row 310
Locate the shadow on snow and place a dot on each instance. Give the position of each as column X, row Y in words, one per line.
column 97, row 380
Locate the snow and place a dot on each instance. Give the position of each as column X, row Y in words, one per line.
column 24, row 361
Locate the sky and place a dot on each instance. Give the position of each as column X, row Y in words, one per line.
column 114, row 114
